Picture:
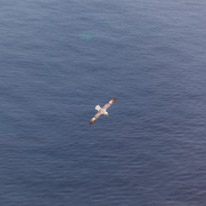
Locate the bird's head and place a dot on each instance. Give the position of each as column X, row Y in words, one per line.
column 106, row 113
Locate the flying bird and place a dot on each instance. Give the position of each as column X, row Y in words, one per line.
column 102, row 110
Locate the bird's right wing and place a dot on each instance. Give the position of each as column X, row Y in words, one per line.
column 96, row 116
column 109, row 104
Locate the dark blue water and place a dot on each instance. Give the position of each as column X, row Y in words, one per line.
column 59, row 59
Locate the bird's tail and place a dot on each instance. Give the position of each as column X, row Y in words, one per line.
column 97, row 107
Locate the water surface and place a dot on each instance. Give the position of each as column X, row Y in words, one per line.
column 59, row 59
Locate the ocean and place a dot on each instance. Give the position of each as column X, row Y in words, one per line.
column 59, row 59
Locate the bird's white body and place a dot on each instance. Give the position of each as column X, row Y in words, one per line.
column 103, row 111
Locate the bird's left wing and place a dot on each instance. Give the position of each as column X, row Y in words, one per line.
column 96, row 116
column 109, row 104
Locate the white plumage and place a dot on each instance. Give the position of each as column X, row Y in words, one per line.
column 97, row 107
column 102, row 110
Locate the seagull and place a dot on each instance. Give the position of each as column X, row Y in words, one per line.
column 102, row 110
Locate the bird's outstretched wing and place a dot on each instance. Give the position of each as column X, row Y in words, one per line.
column 109, row 104
column 96, row 116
